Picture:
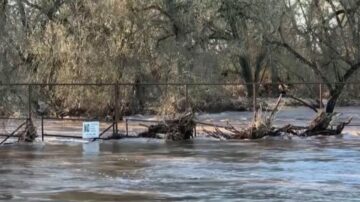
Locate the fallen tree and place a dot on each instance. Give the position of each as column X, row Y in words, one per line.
column 262, row 126
column 181, row 128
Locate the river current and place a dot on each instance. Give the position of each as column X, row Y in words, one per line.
column 204, row 169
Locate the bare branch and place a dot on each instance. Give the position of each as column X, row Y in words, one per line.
column 303, row 102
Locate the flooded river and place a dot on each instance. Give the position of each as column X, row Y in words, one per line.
column 283, row 169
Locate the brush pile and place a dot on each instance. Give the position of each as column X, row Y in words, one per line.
column 263, row 126
column 181, row 128
column 29, row 134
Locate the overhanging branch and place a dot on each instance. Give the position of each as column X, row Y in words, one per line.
column 351, row 71
column 312, row 65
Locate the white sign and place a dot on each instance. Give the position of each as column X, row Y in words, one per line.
column 90, row 130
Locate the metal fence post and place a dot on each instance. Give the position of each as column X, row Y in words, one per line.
column 254, row 100
column 127, row 127
column 186, row 96
column 116, row 89
column 321, row 96
column 195, row 133
column 29, row 102
column 42, row 128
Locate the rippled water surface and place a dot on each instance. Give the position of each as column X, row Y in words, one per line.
column 312, row 169
column 318, row 169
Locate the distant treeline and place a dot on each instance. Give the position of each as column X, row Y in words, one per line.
column 49, row 41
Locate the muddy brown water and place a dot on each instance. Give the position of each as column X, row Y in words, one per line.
column 280, row 169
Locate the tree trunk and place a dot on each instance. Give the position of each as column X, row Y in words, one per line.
column 274, row 80
column 246, row 74
column 23, row 18
column 335, row 94
column 138, row 99
column 3, row 33
column 330, row 106
column 3, row 4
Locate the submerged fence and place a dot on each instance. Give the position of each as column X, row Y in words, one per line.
column 114, row 94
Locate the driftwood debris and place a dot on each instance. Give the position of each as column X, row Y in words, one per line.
column 178, row 129
column 29, row 134
column 262, row 126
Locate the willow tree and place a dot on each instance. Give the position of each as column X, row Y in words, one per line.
column 15, row 60
column 173, row 31
column 325, row 36
column 171, row 28
column 241, row 28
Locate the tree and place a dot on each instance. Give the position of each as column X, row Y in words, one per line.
column 324, row 35
column 241, row 27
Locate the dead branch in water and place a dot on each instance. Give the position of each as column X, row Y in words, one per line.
column 181, row 128
column 12, row 134
column 263, row 126
column 29, row 134
column 304, row 102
